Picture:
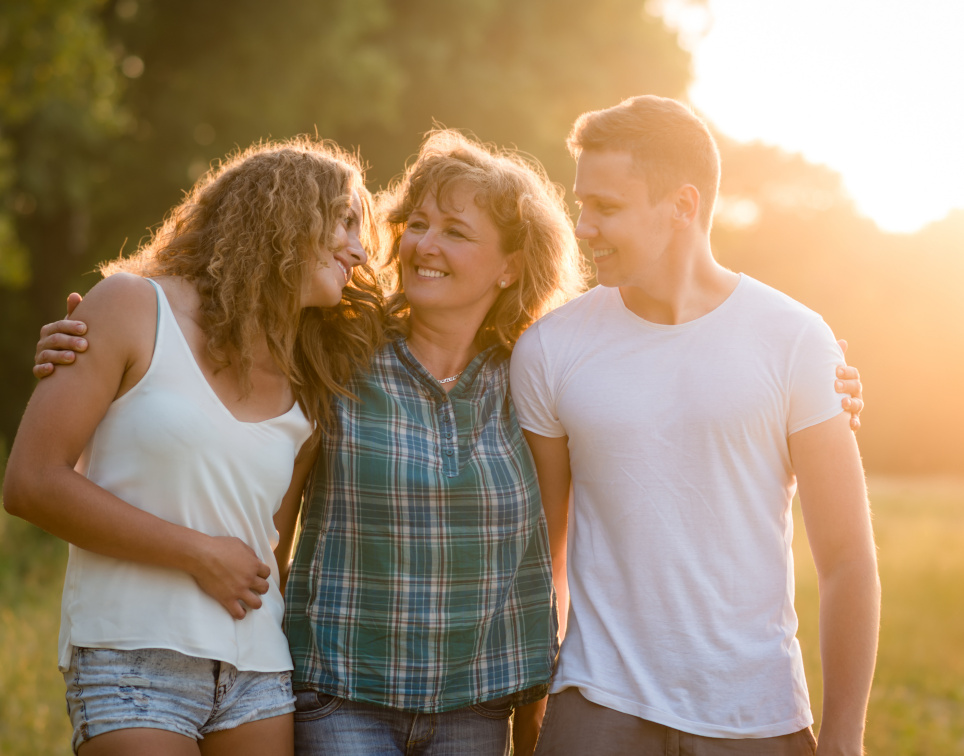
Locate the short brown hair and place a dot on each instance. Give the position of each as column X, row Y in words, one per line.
column 670, row 145
column 528, row 210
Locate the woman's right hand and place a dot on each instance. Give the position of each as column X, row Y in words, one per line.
column 60, row 341
column 229, row 571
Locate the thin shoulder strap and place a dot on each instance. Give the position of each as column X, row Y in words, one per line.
column 157, row 302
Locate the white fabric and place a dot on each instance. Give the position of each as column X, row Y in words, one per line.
column 170, row 447
column 680, row 569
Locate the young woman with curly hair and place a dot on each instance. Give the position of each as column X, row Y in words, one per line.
column 164, row 455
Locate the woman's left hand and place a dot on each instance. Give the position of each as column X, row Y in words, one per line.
column 848, row 382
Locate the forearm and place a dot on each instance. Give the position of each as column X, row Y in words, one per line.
column 526, row 723
column 69, row 506
column 849, row 624
column 560, row 582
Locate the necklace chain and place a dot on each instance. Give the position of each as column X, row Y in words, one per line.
column 452, row 378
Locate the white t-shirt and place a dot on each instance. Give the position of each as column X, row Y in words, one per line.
column 680, row 569
column 170, row 447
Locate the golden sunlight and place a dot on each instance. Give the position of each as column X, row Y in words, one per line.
column 871, row 89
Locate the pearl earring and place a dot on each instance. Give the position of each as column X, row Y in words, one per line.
column 502, row 284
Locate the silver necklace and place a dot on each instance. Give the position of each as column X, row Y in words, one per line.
column 449, row 380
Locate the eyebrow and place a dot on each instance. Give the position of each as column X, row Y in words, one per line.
column 447, row 216
column 597, row 196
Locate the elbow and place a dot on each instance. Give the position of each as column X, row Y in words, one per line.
column 18, row 492
column 14, row 495
column 857, row 574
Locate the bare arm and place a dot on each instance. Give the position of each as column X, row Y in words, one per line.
column 62, row 340
column 555, row 480
column 286, row 518
column 551, row 456
column 837, row 516
column 42, row 486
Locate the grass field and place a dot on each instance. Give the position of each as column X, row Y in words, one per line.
column 917, row 705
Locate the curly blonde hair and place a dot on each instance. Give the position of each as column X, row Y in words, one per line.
column 246, row 236
column 526, row 207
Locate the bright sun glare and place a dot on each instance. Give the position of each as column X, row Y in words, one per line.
column 872, row 88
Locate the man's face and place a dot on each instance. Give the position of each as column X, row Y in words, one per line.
column 627, row 233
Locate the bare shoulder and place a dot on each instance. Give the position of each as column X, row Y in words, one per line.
column 121, row 316
column 123, row 296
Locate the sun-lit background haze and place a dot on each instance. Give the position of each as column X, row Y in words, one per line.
column 839, row 125
column 871, row 88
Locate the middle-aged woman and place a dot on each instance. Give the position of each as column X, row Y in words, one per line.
column 420, row 606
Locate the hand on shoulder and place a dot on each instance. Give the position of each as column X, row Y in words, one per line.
column 121, row 312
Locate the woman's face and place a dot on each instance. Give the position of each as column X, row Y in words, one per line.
column 451, row 258
column 334, row 263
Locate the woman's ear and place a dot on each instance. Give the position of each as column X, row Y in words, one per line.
column 512, row 269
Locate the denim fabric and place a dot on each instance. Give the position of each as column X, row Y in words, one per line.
column 111, row 690
column 330, row 726
column 575, row 726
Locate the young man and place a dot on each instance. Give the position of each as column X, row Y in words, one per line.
column 683, row 403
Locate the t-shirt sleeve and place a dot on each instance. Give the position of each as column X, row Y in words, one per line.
column 813, row 398
column 532, row 391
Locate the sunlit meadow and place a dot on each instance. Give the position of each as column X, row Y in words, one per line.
column 918, row 693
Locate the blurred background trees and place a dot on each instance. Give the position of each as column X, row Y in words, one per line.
column 110, row 110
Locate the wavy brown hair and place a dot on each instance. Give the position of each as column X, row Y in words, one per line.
column 526, row 207
column 247, row 236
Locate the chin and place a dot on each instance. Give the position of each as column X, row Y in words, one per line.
column 606, row 279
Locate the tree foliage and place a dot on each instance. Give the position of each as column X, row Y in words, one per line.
column 59, row 107
column 109, row 109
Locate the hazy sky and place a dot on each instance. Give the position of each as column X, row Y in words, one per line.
column 872, row 88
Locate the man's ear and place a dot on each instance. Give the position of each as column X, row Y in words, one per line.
column 686, row 206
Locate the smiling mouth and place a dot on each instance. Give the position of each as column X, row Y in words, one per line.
column 430, row 273
column 597, row 253
column 345, row 270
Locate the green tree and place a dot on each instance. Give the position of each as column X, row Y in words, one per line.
column 59, row 104
column 198, row 79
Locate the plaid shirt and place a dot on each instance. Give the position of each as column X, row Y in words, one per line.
column 422, row 579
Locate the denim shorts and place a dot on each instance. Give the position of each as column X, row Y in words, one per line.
column 108, row 690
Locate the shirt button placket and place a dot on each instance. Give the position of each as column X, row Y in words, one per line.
column 450, row 441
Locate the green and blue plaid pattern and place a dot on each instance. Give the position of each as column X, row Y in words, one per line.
column 422, row 578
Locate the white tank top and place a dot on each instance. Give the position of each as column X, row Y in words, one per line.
column 170, row 447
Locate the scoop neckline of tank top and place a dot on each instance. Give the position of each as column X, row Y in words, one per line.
column 200, row 373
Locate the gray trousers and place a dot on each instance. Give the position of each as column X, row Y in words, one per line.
column 575, row 726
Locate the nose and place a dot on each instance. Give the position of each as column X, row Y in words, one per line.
column 356, row 250
column 584, row 229
column 426, row 245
